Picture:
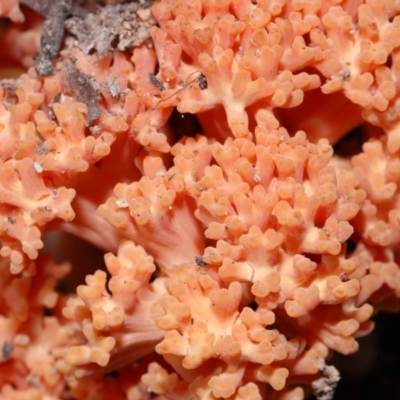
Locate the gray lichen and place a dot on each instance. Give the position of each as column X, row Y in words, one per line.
column 112, row 28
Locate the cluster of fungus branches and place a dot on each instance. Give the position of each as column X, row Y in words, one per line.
column 202, row 146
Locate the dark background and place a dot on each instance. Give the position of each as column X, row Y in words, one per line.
column 373, row 373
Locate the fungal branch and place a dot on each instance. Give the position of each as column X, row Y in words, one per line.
column 228, row 269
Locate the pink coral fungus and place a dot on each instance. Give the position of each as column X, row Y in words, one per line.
column 237, row 161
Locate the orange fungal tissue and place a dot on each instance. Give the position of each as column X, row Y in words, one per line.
column 238, row 164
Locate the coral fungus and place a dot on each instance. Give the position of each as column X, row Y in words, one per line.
column 203, row 147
